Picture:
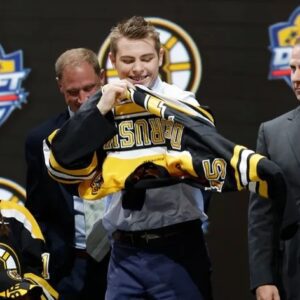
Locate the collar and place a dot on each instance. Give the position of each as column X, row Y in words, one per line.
column 158, row 85
column 71, row 113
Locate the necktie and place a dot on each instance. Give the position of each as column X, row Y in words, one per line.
column 97, row 242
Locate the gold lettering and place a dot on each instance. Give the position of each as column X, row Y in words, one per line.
column 141, row 130
column 215, row 173
column 167, row 128
column 146, row 132
column 157, row 134
column 126, row 134
column 176, row 136
column 45, row 260
column 112, row 143
column 215, row 170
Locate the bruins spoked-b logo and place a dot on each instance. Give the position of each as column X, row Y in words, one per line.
column 11, row 191
column 182, row 63
column 9, row 261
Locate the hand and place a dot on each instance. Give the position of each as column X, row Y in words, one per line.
column 267, row 292
column 113, row 94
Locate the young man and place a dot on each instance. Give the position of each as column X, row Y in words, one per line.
column 275, row 265
column 73, row 272
column 158, row 250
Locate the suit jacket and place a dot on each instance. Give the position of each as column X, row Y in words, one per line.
column 273, row 261
column 48, row 201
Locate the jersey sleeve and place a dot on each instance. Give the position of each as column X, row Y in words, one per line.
column 74, row 152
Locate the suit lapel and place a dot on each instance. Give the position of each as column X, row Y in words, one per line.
column 63, row 117
column 293, row 133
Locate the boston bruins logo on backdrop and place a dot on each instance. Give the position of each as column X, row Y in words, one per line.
column 11, row 191
column 182, row 63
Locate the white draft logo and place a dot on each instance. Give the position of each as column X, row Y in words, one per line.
column 182, row 62
column 11, row 191
column 12, row 95
column 282, row 38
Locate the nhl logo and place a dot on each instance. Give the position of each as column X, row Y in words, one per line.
column 12, row 73
column 282, row 39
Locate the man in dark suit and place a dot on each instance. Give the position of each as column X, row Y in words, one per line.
column 274, row 264
column 73, row 272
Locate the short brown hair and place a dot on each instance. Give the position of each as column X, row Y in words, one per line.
column 75, row 57
column 134, row 28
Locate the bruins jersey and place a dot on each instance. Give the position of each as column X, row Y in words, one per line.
column 149, row 141
column 23, row 258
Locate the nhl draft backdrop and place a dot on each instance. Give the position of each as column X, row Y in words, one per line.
column 233, row 54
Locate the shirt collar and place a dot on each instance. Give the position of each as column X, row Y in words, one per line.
column 157, row 86
column 71, row 113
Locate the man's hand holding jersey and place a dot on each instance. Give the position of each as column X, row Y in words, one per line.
column 113, row 94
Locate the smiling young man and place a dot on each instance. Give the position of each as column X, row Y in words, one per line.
column 158, row 250
column 137, row 60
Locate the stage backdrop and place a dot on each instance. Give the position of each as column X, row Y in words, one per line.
column 232, row 77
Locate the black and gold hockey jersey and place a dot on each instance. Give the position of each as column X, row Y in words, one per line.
column 23, row 258
column 151, row 141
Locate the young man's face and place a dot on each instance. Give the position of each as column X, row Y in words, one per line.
column 295, row 70
column 137, row 60
column 78, row 83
